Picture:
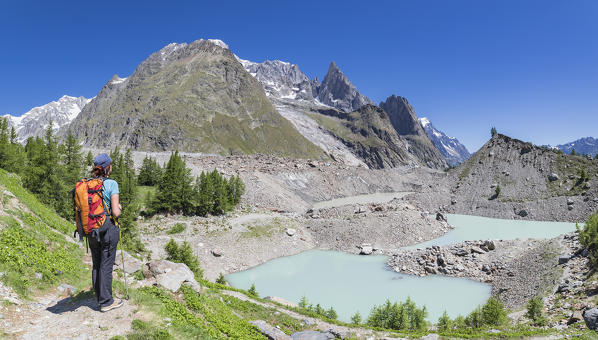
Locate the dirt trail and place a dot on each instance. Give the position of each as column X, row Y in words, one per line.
column 58, row 316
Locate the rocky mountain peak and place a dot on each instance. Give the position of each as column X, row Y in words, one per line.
column 451, row 149
column 281, row 80
column 337, row 91
column 404, row 120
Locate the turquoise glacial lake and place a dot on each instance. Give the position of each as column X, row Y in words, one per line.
column 351, row 283
column 483, row 228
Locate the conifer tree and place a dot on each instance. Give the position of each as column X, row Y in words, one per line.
column 174, row 192
column 89, row 159
column 72, row 159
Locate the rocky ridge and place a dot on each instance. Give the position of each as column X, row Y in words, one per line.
column 536, row 183
column 451, row 149
column 337, row 91
column 404, row 120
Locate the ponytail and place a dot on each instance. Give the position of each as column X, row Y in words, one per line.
column 98, row 171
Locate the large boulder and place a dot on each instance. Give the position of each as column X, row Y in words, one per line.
column 312, row 335
column 170, row 275
column 590, row 316
column 366, row 249
column 270, row 332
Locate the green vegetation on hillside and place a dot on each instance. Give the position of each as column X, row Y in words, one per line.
column 588, row 236
column 33, row 255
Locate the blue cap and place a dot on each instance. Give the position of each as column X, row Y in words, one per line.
column 102, row 160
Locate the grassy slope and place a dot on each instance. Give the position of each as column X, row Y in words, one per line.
column 32, row 241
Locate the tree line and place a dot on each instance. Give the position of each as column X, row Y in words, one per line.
column 50, row 169
column 178, row 192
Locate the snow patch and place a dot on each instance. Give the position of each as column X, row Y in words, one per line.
column 219, row 42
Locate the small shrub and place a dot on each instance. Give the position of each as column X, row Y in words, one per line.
column 398, row 316
column 493, row 131
column 356, row 318
column 589, row 237
column 494, row 313
column 221, row 280
column 534, row 311
column 444, row 322
column 183, row 254
column 497, row 191
column 252, row 291
column 176, row 229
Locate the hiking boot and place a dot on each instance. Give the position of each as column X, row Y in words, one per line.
column 115, row 304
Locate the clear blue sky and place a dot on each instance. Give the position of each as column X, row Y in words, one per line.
column 530, row 68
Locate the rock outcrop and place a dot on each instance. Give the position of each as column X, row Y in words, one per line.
column 403, row 119
column 450, row 148
column 337, row 91
column 170, row 275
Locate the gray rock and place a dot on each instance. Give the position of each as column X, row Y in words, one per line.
column 68, row 289
column 490, row 244
column 270, row 332
column 291, row 231
column 461, row 252
column 570, row 201
column 563, row 288
column 440, row 260
column 564, row 259
column 440, row 217
column 366, row 249
column 476, row 250
column 217, row 252
column 430, row 270
column 590, row 316
column 576, row 316
column 39, row 276
column 553, row 177
column 311, row 335
column 170, row 275
column 569, row 207
column 522, row 213
column 131, row 264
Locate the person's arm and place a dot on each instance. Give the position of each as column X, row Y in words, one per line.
column 115, row 205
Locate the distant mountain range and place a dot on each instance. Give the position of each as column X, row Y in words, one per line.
column 587, row 145
column 200, row 97
column 451, row 149
column 34, row 122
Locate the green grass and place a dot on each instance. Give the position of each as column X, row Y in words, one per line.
column 176, row 229
column 30, row 245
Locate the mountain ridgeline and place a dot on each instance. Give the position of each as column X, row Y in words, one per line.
column 193, row 97
column 200, row 97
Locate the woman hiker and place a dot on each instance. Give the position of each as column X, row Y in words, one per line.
column 103, row 248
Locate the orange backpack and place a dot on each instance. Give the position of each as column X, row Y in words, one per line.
column 90, row 209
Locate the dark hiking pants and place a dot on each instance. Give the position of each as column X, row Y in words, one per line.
column 103, row 253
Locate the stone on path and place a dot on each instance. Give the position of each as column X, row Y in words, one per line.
column 291, row 231
column 366, row 249
column 312, row 335
column 269, row 331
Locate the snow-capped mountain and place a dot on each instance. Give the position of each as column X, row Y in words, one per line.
column 587, row 145
column 453, row 151
column 34, row 122
column 280, row 79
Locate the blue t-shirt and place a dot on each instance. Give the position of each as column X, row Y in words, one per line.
column 110, row 188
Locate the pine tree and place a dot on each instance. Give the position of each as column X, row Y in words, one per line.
column 356, row 318
column 150, row 172
column 174, row 192
column 89, row 159
column 573, row 153
column 493, row 131
column 72, row 159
